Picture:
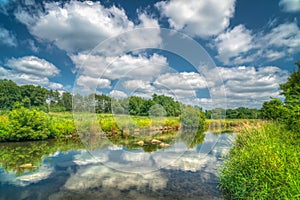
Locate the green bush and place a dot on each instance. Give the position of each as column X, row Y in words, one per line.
column 4, row 127
column 192, row 118
column 25, row 124
column 61, row 127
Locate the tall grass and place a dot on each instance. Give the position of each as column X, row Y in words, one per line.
column 263, row 164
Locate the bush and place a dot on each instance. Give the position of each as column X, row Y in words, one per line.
column 25, row 124
column 4, row 127
column 193, row 118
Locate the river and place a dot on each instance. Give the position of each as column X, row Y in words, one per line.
column 71, row 170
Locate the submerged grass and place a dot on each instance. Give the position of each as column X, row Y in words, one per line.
column 263, row 164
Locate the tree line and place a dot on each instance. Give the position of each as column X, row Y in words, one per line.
column 287, row 111
column 237, row 113
column 30, row 96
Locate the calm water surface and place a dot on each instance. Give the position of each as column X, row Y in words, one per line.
column 69, row 170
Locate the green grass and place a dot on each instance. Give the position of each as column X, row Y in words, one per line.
column 263, row 164
column 231, row 125
column 109, row 122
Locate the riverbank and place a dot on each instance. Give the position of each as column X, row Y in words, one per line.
column 263, row 164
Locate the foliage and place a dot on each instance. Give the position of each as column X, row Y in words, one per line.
column 291, row 91
column 263, row 164
column 9, row 94
column 274, row 110
column 25, row 124
column 192, row 118
column 238, row 113
column 31, row 96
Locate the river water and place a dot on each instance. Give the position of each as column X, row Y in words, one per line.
column 64, row 170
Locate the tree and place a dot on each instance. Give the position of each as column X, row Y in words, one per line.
column 171, row 107
column 192, row 118
column 291, row 91
column 9, row 94
column 103, row 103
column 36, row 94
column 135, row 105
column 273, row 110
column 66, row 100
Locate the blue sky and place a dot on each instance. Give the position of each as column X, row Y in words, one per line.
column 254, row 45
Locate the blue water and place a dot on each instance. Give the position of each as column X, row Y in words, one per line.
column 115, row 172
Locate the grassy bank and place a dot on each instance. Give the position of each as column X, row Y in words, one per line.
column 231, row 125
column 263, row 164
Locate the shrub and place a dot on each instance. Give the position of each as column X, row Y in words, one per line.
column 25, row 124
column 193, row 118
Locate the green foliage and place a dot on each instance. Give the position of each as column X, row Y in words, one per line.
column 192, row 118
column 238, row 113
column 30, row 96
column 25, row 124
column 291, row 91
column 4, row 127
column 135, row 105
column 171, row 106
column 263, row 164
column 274, row 110
column 10, row 93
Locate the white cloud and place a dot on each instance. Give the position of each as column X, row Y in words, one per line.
column 7, row 38
column 93, row 82
column 33, row 65
column 250, row 87
column 33, row 46
column 233, row 43
column 125, row 67
column 30, row 70
column 78, row 26
column 198, row 18
column 285, row 36
column 239, row 45
column 290, row 5
column 182, row 80
column 139, row 85
column 118, row 94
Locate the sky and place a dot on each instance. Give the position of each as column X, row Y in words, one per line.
column 228, row 53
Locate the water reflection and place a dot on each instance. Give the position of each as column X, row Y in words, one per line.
column 76, row 174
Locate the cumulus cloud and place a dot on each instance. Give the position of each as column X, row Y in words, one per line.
column 198, row 18
column 93, row 82
column 33, row 65
column 124, row 67
column 250, row 86
column 117, row 94
column 62, row 24
column 285, row 36
column 7, row 38
column 233, row 43
column 290, row 5
column 31, row 70
column 240, row 45
column 182, row 80
column 139, row 86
